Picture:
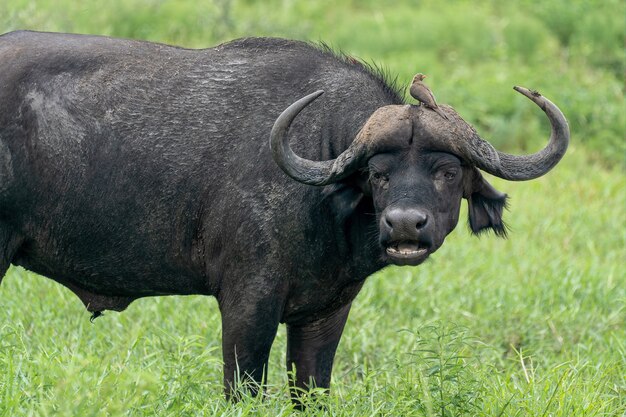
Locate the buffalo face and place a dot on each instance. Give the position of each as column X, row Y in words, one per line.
column 417, row 196
column 417, row 166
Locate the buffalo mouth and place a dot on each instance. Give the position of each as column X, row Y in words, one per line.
column 407, row 252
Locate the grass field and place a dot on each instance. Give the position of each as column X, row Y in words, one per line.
column 530, row 326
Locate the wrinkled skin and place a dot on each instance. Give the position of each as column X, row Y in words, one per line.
column 130, row 169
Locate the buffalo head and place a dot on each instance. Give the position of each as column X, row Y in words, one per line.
column 417, row 166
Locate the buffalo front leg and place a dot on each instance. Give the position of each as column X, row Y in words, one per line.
column 248, row 329
column 311, row 350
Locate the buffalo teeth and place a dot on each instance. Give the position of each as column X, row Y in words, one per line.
column 405, row 250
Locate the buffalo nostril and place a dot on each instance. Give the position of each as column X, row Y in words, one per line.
column 388, row 221
column 395, row 218
column 420, row 220
column 405, row 220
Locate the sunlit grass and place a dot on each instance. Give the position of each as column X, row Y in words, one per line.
column 529, row 326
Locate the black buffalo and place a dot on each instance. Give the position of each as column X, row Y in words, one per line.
column 132, row 169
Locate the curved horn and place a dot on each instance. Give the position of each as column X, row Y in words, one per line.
column 528, row 167
column 305, row 170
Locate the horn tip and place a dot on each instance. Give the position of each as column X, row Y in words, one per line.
column 528, row 93
column 313, row 96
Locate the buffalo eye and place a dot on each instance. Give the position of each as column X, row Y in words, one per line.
column 377, row 176
column 379, row 179
column 450, row 175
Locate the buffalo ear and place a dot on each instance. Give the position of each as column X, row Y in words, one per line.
column 346, row 195
column 344, row 199
column 485, row 205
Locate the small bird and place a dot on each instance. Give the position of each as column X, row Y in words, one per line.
column 420, row 92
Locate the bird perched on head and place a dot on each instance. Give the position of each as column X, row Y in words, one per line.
column 420, row 92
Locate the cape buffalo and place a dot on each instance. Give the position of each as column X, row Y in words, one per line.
column 131, row 169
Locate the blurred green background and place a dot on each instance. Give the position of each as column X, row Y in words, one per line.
column 474, row 51
column 530, row 326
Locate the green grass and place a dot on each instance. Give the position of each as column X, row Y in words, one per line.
column 530, row 326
